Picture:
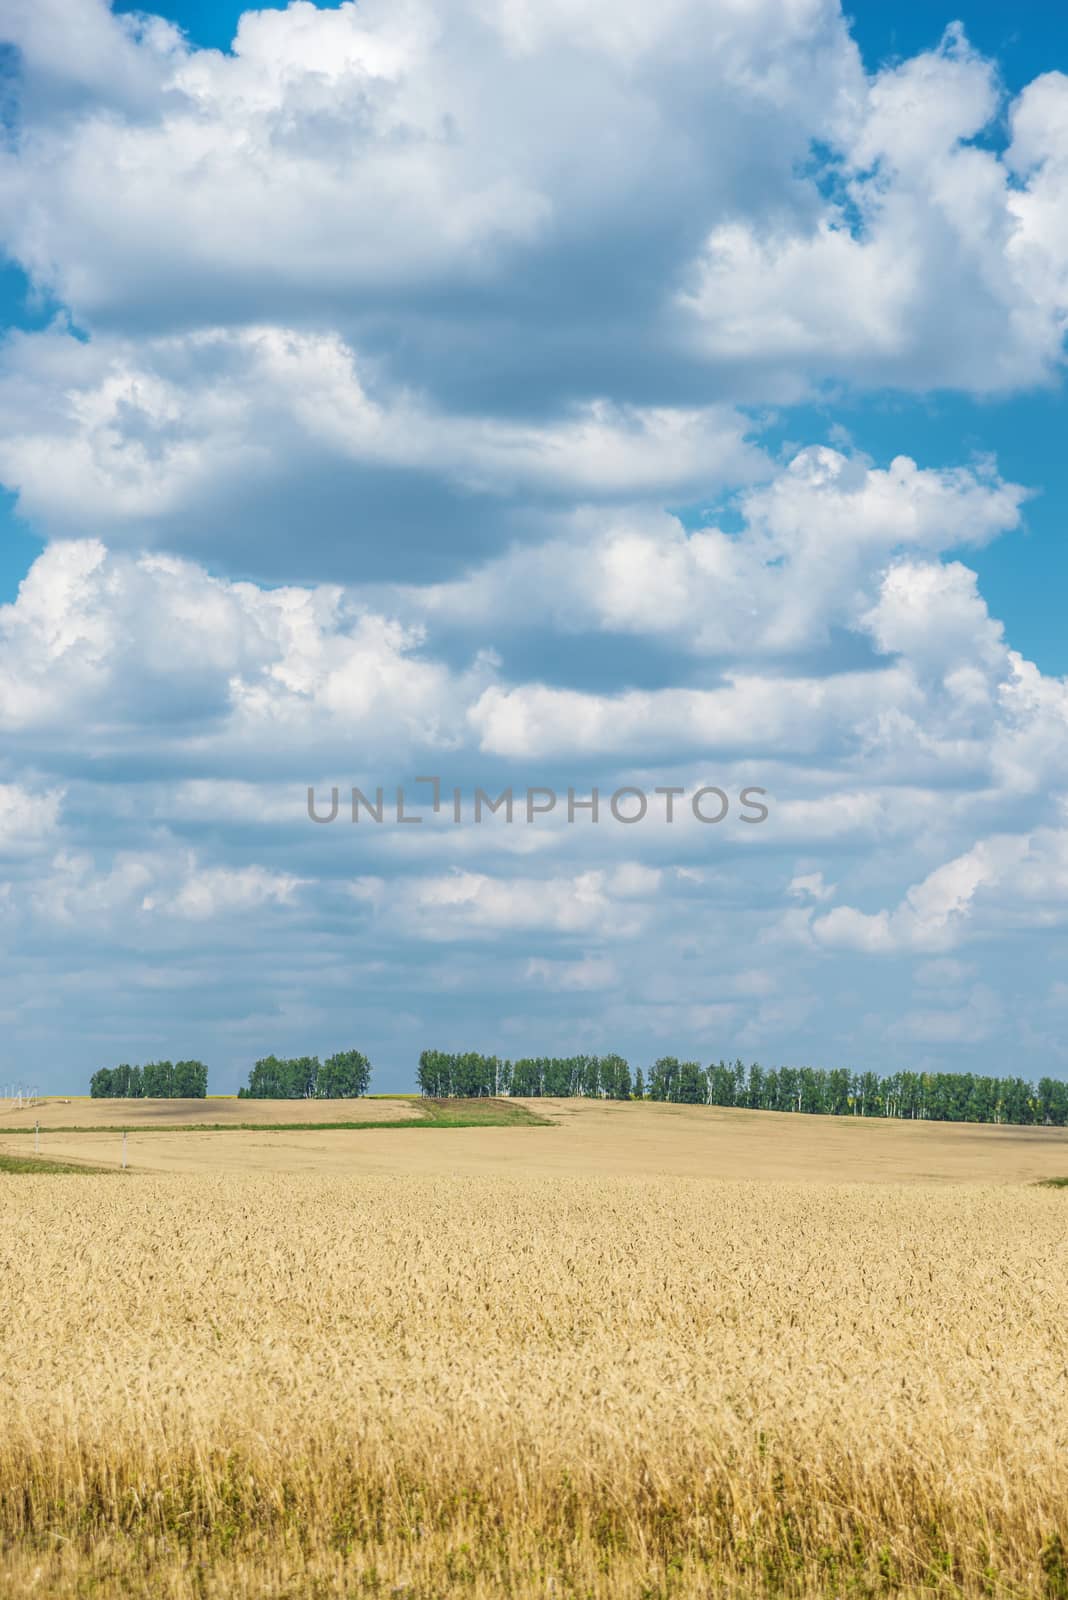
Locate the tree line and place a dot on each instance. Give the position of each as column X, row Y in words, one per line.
column 340, row 1077
column 927, row 1096
column 156, row 1080
column 444, row 1076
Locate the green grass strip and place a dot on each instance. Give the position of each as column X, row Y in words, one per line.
column 435, row 1114
column 39, row 1164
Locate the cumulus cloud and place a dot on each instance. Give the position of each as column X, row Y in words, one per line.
column 813, row 544
column 369, row 433
column 123, row 647
column 440, row 907
column 588, row 974
column 936, row 262
column 29, row 818
column 927, row 919
column 118, row 649
column 1021, row 879
column 754, row 203
column 215, row 891
column 430, row 120
column 78, row 890
column 944, row 700
column 751, row 714
column 158, row 441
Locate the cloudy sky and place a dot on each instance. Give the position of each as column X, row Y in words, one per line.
column 572, row 393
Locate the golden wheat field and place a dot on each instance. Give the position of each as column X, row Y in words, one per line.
column 525, row 1383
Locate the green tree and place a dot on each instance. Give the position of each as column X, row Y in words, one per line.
column 615, row 1078
column 837, row 1092
column 721, row 1084
column 1052, row 1103
column 433, row 1076
column 946, row 1096
column 158, row 1079
column 300, row 1077
column 811, row 1091
column 190, row 1080
column 527, row 1077
column 664, row 1078
column 692, row 1085
column 267, row 1080
column 557, row 1076
column 343, row 1076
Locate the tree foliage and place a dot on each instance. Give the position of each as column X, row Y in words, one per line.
column 156, row 1080
column 340, row 1077
column 934, row 1097
column 442, row 1075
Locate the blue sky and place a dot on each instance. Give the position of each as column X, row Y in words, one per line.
column 1033, row 38
column 505, row 393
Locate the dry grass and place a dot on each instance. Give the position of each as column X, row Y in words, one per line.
column 619, row 1387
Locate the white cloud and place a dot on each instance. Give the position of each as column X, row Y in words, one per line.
column 1017, row 877
column 28, row 818
column 808, row 559
column 753, row 714
column 476, row 904
column 939, row 262
column 116, row 648
column 386, row 341
column 971, row 1023
column 78, row 54
column 216, row 891
column 116, row 895
column 113, row 434
column 151, row 182
column 429, row 119
column 75, row 892
column 934, row 615
column 930, row 916
column 810, row 886
column 587, row 975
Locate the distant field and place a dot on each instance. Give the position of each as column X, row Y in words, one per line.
column 581, row 1137
column 304, row 1386
column 83, row 1112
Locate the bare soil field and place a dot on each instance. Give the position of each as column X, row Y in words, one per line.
column 586, row 1137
